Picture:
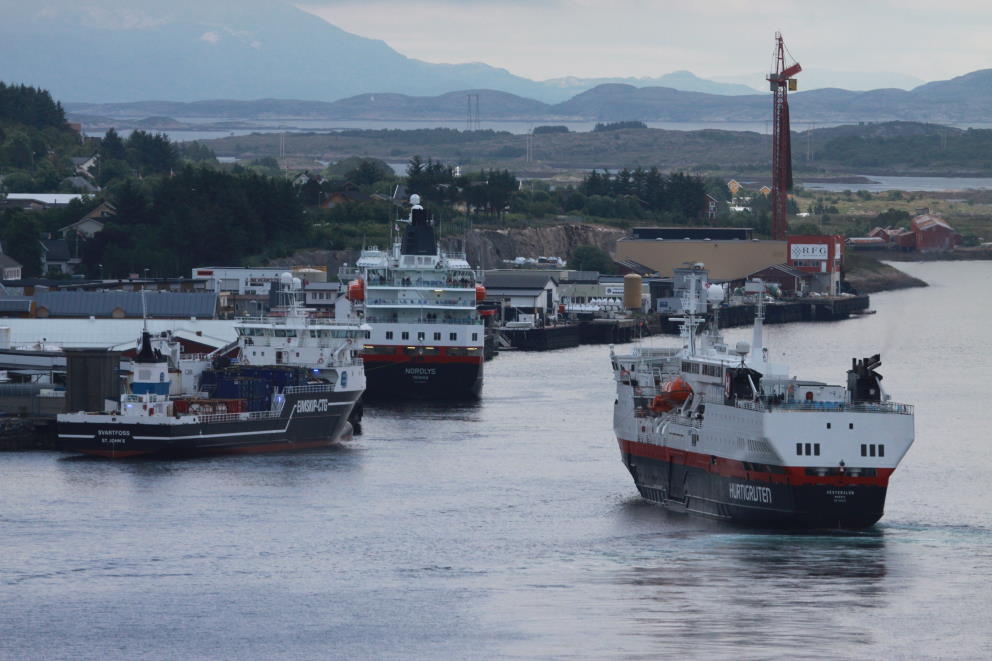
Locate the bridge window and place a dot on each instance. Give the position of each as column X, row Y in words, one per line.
column 850, row 425
column 799, row 448
column 864, row 450
column 816, row 449
column 881, row 450
column 389, row 335
column 405, row 335
column 437, row 337
column 871, row 450
column 809, row 449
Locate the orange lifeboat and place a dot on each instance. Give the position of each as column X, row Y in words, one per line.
column 356, row 290
column 480, row 293
column 673, row 394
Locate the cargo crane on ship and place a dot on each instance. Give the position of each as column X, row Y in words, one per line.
column 781, row 81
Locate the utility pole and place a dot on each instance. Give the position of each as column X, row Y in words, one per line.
column 472, row 121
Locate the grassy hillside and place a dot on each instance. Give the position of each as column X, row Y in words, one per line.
column 887, row 148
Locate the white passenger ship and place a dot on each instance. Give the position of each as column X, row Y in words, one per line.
column 427, row 336
column 721, row 431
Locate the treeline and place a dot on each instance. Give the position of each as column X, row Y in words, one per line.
column 35, row 140
column 141, row 154
column 20, row 104
column 970, row 149
column 195, row 217
column 486, row 192
column 642, row 193
column 617, row 126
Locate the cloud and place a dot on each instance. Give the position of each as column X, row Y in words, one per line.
column 210, row 37
column 552, row 38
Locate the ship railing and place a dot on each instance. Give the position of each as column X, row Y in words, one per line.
column 235, row 417
column 139, row 399
column 298, row 321
column 422, row 301
column 392, row 320
column 296, row 390
column 821, row 407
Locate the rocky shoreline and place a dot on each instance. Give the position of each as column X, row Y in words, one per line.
column 868, row 275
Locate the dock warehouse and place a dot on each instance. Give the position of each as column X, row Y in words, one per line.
column 728, row 252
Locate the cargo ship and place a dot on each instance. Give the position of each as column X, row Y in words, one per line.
column 722, row 432
column 427, row 336
column 287, row 382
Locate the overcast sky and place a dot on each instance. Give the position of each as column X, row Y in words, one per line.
column 712, row 38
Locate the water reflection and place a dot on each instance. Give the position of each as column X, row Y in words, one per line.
column 709, row 593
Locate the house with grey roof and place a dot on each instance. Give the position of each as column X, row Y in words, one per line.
column 81, row 184
column 83, row 165
column 56, row 257
column 10, row 268
column 523, row 295
column 90, row 224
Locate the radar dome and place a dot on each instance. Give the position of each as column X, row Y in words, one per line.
column 297, row 283
column 414, row 199
column 743, row 348
column 715, row 293
column 286, row 278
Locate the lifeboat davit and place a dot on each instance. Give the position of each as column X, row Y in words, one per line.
column 356, row 290
column 480, row 293
column 673, row 394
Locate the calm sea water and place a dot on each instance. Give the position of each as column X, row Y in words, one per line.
column 510, row 530
column 881, row 184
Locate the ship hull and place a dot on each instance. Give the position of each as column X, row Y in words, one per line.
column 307, row 421
column 713, row 487
column 423, row 379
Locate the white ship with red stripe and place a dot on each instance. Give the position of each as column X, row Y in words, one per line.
column 720, row 431
column 427, row 336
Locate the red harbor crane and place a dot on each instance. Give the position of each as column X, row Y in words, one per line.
column 781, row 82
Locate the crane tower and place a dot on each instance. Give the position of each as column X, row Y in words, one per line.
column 781, row 82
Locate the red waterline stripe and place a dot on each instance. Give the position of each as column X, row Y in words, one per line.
column 794, row 475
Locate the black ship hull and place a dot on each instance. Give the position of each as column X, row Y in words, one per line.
column 307, row 420
column 423, row 379
column 765, row 497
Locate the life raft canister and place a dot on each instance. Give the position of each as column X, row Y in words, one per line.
column 480, row 293
column 356, row 290
column 673, row 394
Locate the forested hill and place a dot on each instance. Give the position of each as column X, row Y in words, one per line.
column 20, row 104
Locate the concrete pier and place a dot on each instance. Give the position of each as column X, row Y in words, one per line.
column 826, row 308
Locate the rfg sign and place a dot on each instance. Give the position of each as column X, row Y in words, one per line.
column 809, row 251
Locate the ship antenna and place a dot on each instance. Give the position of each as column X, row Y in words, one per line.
column 144, row 311
column 757, row 337
column 688, row 321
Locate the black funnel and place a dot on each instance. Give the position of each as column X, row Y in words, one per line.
column 419, row 238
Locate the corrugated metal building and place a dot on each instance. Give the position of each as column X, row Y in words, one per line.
column 125, row 305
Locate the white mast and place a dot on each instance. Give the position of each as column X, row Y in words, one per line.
column 757, row 287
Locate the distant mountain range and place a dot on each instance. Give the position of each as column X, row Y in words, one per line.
column 105, row 50
column 188, row 50
column 965, row 99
